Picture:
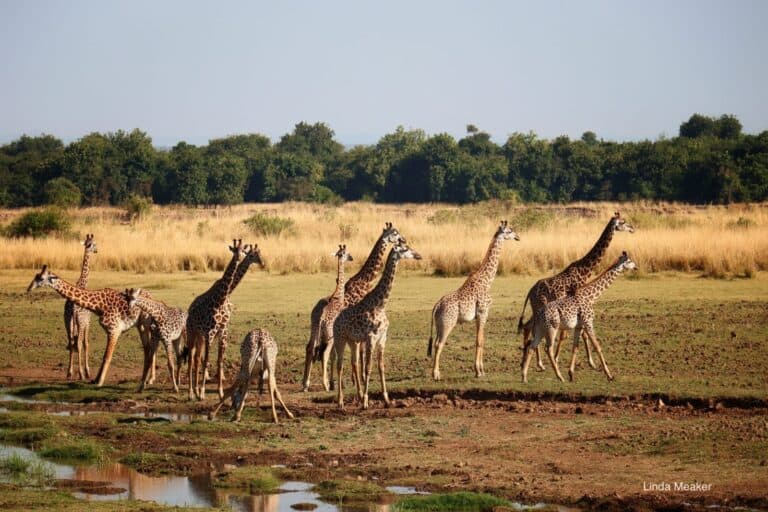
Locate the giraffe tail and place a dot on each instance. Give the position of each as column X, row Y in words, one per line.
column 183, row 355
column 522, row 314
column 431, row 326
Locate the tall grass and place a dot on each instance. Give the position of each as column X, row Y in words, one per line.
column 713, row 240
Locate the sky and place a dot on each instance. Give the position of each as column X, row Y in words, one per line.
column 193, row 70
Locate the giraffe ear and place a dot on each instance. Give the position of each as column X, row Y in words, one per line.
column 45, row 267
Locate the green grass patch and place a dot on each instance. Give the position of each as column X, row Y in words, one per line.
column 75, row 392
column 463, row 501
column 268, row 225
column 257, row 479
column 82, row 451
column 344, row 491
column 22, row 471
column 25, row 428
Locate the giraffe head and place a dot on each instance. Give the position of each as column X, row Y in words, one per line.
column 505, row 232
column 238, row 249
column 253, row 255
column 44, row 278
column 131, row 295
column 625, row 263
column 391, row 235
column 620, row 224
column 90, row 245
column 403, row 252
column 342, row 253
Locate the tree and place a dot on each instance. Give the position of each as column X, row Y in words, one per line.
column 62, row 192
column 188, row 179
column 727, row 127
column 697, row 126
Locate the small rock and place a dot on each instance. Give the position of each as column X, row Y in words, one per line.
column 579, row 410
column 440, row 398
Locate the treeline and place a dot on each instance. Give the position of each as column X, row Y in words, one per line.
column 710, row 161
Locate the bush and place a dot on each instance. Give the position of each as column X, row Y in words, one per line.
column 266, row 225
column 742, row 223
column 138, row 206
column 62, row 192
column 40, row 223
column 324, row 195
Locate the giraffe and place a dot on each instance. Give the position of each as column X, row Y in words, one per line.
column 169, row 326
column 209, row 316
column 471, row 301
column 331, row 310
column 115, row 315
column 77, row 320
column 258, row 347
column 354, row 290
column 573, row 311
column 573, row 277
column 366, row 323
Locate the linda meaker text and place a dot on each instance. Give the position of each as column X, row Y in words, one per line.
column 676, row 487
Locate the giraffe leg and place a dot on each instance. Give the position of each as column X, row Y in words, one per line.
column 443, row 327
column 308, row 358
column 171, row 356
column 273, row 383
column 325, row 338
column 222, row 347
column 572, row 367
column 527, row 334
column 209, row 340
column 355, row 369
column 71, row 346
column 86, row 330
column 227, row 394
column 589, row 350
column 367, row 370
column 78, row 341
column 591, row 333
column 551, row 340
column 190, row 365
column 111, row 344
column 339, row 349
column 380, row 361
column 149, row 363
column 480, row 343
column 560, row 339
column 527, row 355
column 153, row 366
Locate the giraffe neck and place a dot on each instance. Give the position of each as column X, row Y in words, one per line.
column 490, row 263
column 222, row 286
column 372, row 265
column 82, row 282
column 88, row 299
column 595, row 289
column 378, row 297
column 242, row 268
column 338, row 293
column 586, row 265
column 153, row 308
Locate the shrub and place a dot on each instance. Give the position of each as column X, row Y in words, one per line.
column 40, row 223
column 324, row 195
column 138, row 206
column 266, row 225
column 742, row 223
column 62, row 192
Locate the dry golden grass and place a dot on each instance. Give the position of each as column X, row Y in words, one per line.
column 714, row 240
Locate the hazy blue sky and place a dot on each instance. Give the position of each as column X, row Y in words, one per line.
column 192, row 71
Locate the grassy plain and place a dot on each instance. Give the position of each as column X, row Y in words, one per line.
column 698, row 344
column 713, row 240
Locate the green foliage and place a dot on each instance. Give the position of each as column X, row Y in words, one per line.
column 459, row 501
column 345, row 491
column 40, row 224
column 62, row 193
column 711, row 161
column 138, row 207
column 257, row 479
column 742, row 223
column 81, row 451
column 27, row 472
column 267, row 225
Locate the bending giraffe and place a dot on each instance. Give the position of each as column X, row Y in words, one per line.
column 354, row 290
column 575, row 311
column 115, row 315
column 168, row 326
column 573, row 277
column 366, row 324
column 471, row 301
column 77, row 320
column 258, row 347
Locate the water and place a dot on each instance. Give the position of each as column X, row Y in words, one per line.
column 192, row 491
